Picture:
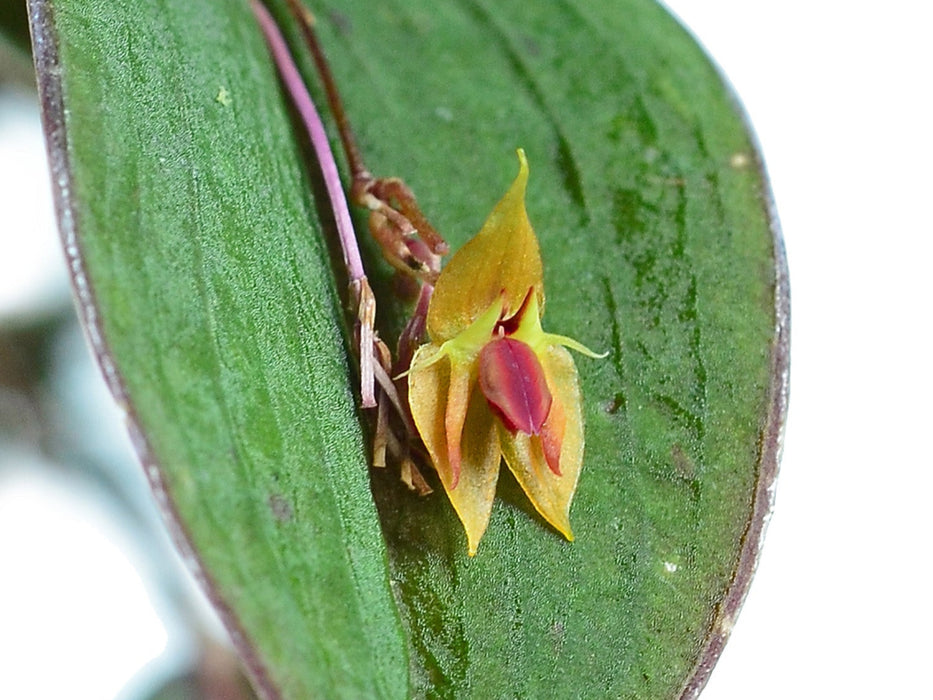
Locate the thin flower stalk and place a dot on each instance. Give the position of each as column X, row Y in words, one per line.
column 408, row 241
column 360, row 290
column 406, row 238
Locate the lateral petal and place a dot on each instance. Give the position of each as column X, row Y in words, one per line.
column 513, row 382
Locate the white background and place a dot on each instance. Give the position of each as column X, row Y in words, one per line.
column 838, row 93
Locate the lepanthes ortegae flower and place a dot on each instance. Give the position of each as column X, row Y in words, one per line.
column 491, row 383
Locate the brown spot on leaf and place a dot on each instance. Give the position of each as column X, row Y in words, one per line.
column 682, row 463
column 280, row 508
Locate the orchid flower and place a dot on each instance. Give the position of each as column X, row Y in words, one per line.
column 491, row 383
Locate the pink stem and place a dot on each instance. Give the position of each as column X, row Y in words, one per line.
column 312, row 121
column 348, row 244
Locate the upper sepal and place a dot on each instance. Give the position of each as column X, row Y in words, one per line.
column 502, row 259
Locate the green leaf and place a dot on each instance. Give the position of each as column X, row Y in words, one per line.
column 199, row 244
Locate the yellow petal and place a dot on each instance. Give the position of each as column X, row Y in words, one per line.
column 502, row 258
column 550, row 493
column 443, row 395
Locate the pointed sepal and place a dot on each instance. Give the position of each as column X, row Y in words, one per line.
column 527, row 455
column 441, row 389
column 503, row 259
